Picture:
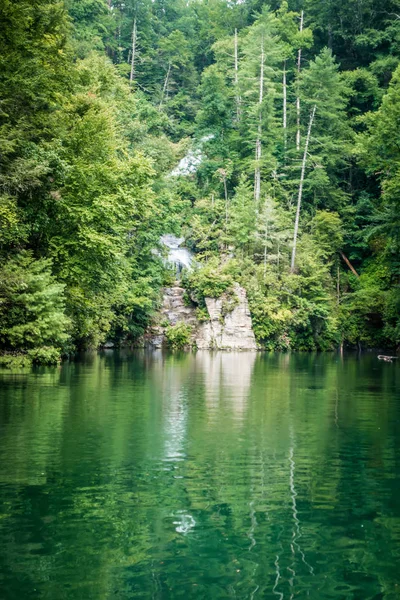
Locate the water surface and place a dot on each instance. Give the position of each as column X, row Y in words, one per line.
column 201, row 476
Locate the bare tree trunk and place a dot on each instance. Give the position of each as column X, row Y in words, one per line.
column 284, row 106
column 133, row 56
column 118, row 36
column 265, row 250
column 298, row 93
column 348, row 263
column 226, row 202
column 338, row 285
column 237, row 97
column 265, row 260
column 257, row 174
column 303, row 170
column 165, row 88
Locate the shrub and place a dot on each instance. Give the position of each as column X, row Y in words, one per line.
column 229, row 303
column 202, row 314
column 178, row 336
column 15, row 361
column 168, row 276
column 208, row 281
column 46, row 355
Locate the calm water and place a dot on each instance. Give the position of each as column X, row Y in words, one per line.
column 201, row 476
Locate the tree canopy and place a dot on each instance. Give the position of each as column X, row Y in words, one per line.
column 296, row 107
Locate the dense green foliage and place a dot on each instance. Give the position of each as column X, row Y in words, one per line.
column 32, row 308
column 178, row 335
column 76, row 190
column 99, row 100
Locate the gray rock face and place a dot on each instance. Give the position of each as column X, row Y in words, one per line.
column 228, row 328
column 232, row 331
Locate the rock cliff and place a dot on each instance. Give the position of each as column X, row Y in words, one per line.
column 229, row 326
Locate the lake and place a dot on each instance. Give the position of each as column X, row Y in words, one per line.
column 201, row 475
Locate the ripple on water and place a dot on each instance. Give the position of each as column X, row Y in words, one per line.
column 200, row 476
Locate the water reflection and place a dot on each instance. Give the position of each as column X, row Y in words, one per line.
column 206, row 475
column 227, row 377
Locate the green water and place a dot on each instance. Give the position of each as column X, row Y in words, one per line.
column 201, row 476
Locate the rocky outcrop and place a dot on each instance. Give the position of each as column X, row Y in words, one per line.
column 230, row 330
column 229, row 326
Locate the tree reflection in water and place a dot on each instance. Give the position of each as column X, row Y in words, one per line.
column 204, row 475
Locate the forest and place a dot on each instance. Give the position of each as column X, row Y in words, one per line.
column 294, row 107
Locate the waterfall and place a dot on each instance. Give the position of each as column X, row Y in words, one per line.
column 179, row 257
column 189, row 163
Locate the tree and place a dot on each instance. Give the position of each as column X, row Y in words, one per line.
column 243, row 216
column 258, row 76
column 32, row 306
column 93, row 26
column 271, row 233
column 300, row 194
column 379, row 153
column 324, row 93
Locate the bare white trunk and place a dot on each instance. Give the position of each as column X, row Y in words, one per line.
column 265, row 260
column 261, row 73
column 303, row 170
column 133, row 55
column 284, row 105
column 265, row 249
column 226, row 202
column 348, row 263
column 257, row 173
column 298, row 93
column 236, row 81
column 165, row 87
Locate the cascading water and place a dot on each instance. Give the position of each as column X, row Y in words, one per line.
column 189, row 163
column 179, row 257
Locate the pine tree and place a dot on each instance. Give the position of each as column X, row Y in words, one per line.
column 32, row 308
column 259, row 74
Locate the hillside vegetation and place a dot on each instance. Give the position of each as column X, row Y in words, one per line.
column 296, row 107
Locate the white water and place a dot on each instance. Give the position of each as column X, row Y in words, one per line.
column 189, row 163
column 185, row 523
column 178, row 256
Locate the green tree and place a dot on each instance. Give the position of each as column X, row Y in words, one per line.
column 242, row 222
column 32, row 306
